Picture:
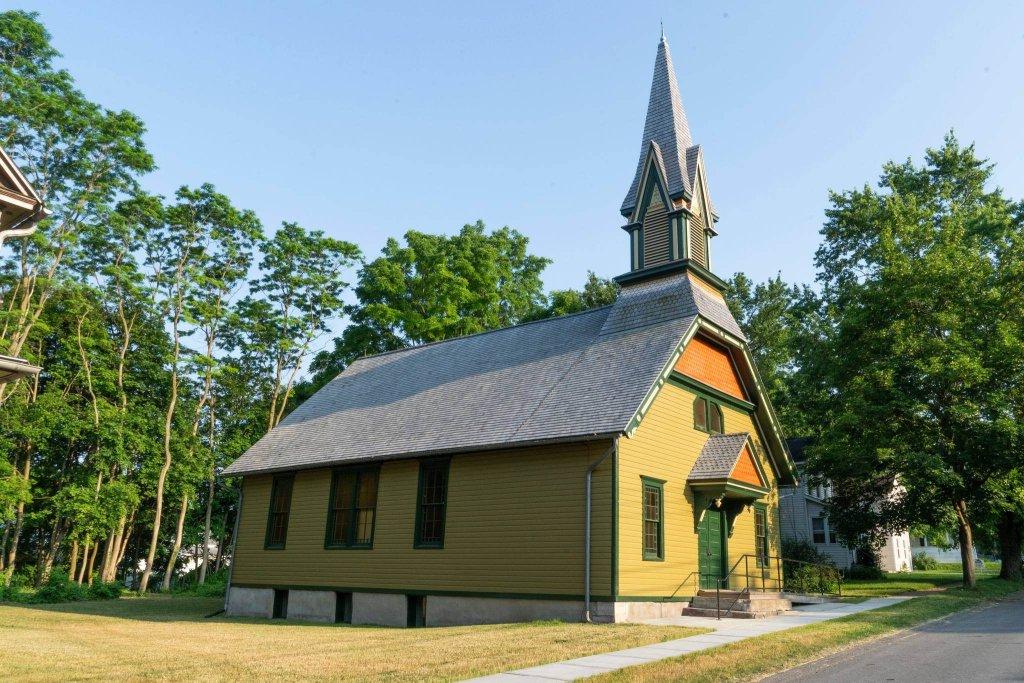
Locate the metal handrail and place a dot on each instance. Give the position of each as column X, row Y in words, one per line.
column 765, row 578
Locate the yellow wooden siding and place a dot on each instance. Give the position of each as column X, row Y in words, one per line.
column 514, row 525
column 665, row 446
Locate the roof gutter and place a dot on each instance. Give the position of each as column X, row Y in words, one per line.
column 33, row 222
column 586, row 528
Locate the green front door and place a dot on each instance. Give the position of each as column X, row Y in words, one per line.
column 711, row 547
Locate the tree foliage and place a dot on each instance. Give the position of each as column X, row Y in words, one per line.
column 921, row 358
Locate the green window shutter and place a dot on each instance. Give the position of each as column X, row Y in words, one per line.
column 277, row 516
column 653, row 519
column 431, row 503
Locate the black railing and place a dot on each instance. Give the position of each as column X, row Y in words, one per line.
column 766, row 573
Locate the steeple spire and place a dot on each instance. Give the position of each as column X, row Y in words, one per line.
column 666, row 126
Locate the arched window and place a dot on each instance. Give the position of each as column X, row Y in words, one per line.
column 707, row 416
column 700, row 414
column 716, row 421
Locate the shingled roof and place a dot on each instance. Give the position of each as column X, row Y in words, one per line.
column 574, row 377
column 667, row 127
column 718, row 457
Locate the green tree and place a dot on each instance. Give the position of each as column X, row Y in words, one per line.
column 294, row 301
column 436, row 287
column 596, row 292
column 923, row 288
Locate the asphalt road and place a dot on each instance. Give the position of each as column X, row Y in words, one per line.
column 978, row 645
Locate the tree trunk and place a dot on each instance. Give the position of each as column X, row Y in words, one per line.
column 1011, row 534
column 129, row 529
column 205, row 552
column 73, row 562
column 220, row 543
column 85, row 560
column 19, row 523
column 177, row 543
column 92, row 562
column 966, row 544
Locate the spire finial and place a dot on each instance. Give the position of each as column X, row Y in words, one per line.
column 660, row 21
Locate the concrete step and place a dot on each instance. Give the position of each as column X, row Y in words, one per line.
column 734, row 614
column 766, row 604
column 743, row 605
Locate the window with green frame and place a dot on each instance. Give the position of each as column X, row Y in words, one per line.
column 277, row 516
column 352, row 510
column 654, row 519
column 431, row 502
column 761, row 536
column 708, row 416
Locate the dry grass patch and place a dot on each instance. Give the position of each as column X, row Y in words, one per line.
column 168, row 638
column 767, row 654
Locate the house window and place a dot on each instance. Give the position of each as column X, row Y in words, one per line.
column 716, row 420
column 653, row 514
column 832, row 535
column 761, row 536
column 277, row 518
column 707, row 416
column 700, row 414
column 432, row 499
column 818, row 529
column 353, row 508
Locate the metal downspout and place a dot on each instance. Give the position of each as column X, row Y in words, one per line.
column 586, row 529
column 234, row 543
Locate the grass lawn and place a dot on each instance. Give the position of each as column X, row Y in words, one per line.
column 902, row 583
column 169, row 638
column 775, row 652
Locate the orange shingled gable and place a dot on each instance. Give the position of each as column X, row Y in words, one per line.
column 745, row 469
column 709, row 363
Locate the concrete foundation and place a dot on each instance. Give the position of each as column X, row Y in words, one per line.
column 445, row 610
column 381, row 609
column 391, row 609
column 312, row 605
column 639, row 611
column 250, row 602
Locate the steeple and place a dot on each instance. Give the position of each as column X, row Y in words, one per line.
column 671, row 218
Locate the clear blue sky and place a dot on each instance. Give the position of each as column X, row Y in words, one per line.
column 367, row 119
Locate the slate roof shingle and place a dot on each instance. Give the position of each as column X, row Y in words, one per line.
column 666, row 125
column 718, row 457
column 574, row 377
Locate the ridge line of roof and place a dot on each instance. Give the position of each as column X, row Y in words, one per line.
column 481, row 333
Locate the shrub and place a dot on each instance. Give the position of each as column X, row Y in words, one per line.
column 59, row 589
column 861, row 571
column 923, row 562
column 105, row 590
column 216, row 583
column 802, row 551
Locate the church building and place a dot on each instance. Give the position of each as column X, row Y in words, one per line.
column 607, row 465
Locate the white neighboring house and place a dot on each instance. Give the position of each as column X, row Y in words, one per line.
column 803, row 518
column 947, row 552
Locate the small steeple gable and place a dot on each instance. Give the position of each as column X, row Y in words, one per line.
column 671, row 217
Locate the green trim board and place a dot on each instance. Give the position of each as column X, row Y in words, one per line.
column 427, row 464
column 420, row 591
column 358, row 471
column 710, row 392
column 614, row 579
column 729, row 488
column 279, row 481
column 654, row 485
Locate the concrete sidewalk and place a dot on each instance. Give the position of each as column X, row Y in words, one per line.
column 725, row 631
